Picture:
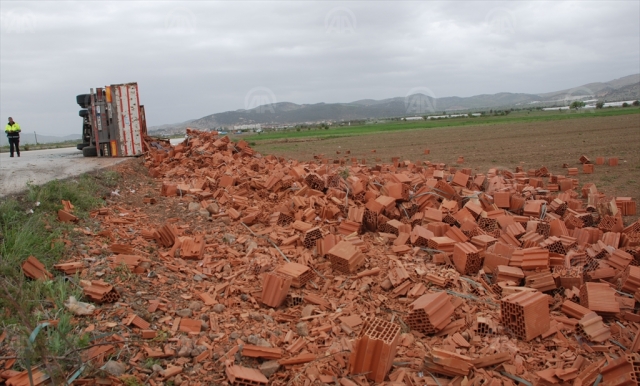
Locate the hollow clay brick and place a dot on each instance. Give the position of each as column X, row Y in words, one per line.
column 526, row 314
column 275, row 288
column 375, row 349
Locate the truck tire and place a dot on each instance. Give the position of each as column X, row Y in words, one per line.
column 83, row 113
column 84, row 100
column 89, row 151
column 81, row 146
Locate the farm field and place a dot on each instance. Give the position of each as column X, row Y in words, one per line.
column 514, row 117
column 506, row 145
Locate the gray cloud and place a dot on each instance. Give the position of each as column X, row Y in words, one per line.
column 196, row 58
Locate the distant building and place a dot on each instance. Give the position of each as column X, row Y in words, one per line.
column 449, row 116
column 255, row 126
column 618, row 104
column 414, row 119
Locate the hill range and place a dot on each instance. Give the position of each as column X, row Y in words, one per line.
column 287, row 113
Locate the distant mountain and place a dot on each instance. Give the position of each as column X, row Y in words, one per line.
column 597, row 89
column 626, row 88
column 626, row 93
column 30, row 138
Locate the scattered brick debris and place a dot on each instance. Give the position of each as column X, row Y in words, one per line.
column 252, row 270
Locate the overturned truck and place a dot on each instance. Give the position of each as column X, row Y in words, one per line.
column 113, row 122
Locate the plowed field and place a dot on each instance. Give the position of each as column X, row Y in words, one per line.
column 530, row 145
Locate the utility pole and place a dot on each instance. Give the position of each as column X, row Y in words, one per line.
column 36, row 135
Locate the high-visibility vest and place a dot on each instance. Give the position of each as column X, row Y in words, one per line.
column 12, row 128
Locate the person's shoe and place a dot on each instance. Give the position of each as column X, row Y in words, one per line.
column 11, row 156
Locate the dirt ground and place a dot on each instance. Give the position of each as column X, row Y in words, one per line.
column 504, row 146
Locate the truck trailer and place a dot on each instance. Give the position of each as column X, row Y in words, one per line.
column 113, row 122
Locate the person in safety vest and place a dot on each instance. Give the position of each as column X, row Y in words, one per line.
column 13, row 134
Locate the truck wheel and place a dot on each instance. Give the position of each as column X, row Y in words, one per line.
column 83, row 113
column 81, row 146
column 84, row 100
column 89, row 151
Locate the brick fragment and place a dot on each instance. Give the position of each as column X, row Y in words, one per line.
column 192, row 247
column 300, row 274
column 167, row 235
column 275, row 288
column 65, row 216
column 148, row 334
column 420, row 236
column 136, row 321
column 466, row 258
column 190, row 325
column 100, row 292
column 345, row 257
column 169, row 189
column 34, row 269
column 619, row 259
column 504, row 273
column 310, row 237
column 70, row 268
column 430, row 313
column 622, row 370
column 253, row 351
column 599, row 297
column 542, row 281
column 626, row 206
column 584, row 159
column 444, row 244
column 630, row 281
column 592, row 328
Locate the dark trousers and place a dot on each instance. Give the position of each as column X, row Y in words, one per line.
column 14, row 143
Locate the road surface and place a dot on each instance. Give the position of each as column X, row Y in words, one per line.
column 41, row 166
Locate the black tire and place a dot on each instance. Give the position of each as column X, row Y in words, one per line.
column 84, row 100
column 81, row 146
column 83, row 113
column 89, row 151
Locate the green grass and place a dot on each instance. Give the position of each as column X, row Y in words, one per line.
column 29, row 227
column 515, row 117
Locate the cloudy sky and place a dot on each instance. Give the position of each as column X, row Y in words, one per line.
column 192, row 59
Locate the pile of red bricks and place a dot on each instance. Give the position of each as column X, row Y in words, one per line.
column 401, row 273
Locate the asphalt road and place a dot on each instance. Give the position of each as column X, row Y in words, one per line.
column 41, row 166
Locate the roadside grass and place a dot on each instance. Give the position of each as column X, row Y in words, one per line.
column 515, row 117
column 29, row 227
